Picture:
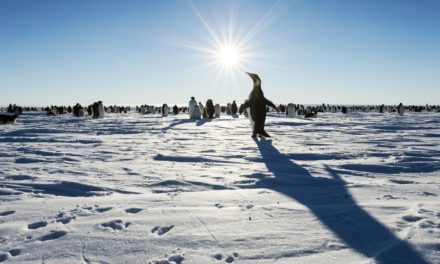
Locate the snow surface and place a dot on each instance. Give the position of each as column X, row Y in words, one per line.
column 132, row 188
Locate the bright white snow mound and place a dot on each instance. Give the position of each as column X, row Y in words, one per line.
column 132, row 188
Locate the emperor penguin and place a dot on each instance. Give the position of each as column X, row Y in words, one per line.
column 234, row 108
column 257, row 104
column 175, row 110
column 209, row 109
column 165, row 110
column 400, row 109
column 98, row 110
column 202, row 109
column 217, row 110
column 194, row 109
column 291, row 111
column 228, row 109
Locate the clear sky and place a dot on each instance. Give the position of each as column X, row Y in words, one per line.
column 156, row 51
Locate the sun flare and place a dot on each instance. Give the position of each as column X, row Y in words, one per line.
column 229, row 56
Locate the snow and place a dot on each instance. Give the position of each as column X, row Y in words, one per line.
column 133, row 188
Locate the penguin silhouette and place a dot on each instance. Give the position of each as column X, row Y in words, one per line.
column 257, row 104
column 209, row 109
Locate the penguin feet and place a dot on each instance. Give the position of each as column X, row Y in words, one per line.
column 264, row 134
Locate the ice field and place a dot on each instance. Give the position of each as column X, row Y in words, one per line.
column 133, row 188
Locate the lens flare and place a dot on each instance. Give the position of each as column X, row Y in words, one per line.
column 229, row 56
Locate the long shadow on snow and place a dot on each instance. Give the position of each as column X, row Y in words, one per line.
column 331, row 202
column 198, row 122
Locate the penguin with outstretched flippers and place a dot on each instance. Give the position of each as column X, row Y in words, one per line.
column 257, row 104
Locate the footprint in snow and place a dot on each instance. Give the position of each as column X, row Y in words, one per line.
column 412, row 218
column 5, row 213
column 102, row 209
column 53, row 235
column 246, row 206
column 15, row 252
column 175, row 258
column 64, row 218
column 116, row 224
column 4, row 257
column 228, row 259
column 37, row 225
column 219, row 206
column 161, row 230
column 133, row 210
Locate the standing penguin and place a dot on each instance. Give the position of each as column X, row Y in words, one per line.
column 290, row 111
column 175, row 110
column 234, row 108
column 165, row 110
column 400, row 109
column 209, row 109
column 257, row 104
column 193, row 109
column 217, row 111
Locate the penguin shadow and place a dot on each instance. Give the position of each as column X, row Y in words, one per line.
column 330, row 201
column 235, row 115
column 201, row 122
column 198, row 122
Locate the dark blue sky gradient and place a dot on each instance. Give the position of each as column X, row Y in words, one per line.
column 132, row 52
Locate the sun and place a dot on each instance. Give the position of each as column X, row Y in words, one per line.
column 231, row 45
column 229, row 55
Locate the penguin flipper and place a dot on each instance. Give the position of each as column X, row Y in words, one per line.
column 244, row 107
column 269, row 103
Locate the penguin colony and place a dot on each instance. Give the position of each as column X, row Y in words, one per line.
column 258, row 107
column 194, row 110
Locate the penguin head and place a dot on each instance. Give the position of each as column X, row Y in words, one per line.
column 255, row 78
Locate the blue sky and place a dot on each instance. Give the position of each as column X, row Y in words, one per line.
column 135, row 52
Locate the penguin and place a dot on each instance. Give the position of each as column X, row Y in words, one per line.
column 77, row 110
column 194, row 109
column 400, row 109
column 344, row 110
column 291, row 111
column 204, row 113
column 8, row 118
column 165, row 110
column 95, row 110
column 234, row 108
column 257, row 104
column 217, row 110
column 202, row 110
column 228, row 109
column 175, row 110
column 209, row 109
column 98, row 109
